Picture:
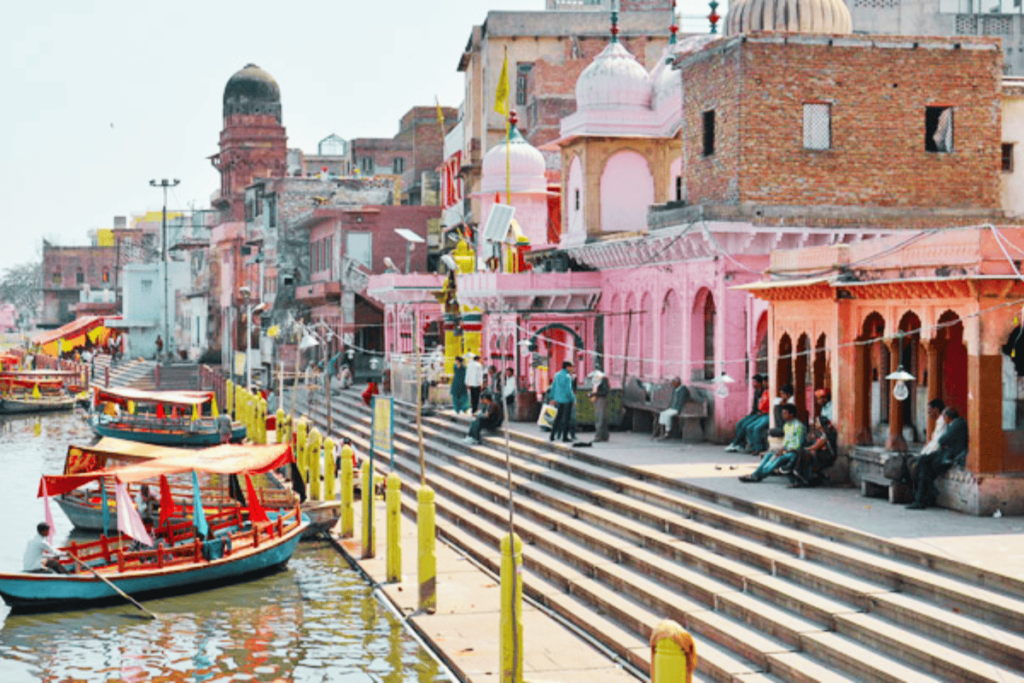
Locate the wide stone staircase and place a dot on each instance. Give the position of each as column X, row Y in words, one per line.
column 767, row 595
column 144, row 374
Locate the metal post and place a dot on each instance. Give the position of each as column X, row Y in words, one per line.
column 164, row 252
column 248, row 343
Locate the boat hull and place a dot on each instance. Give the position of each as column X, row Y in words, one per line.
column 59, row 592
column 202, row 437
column 21, row 407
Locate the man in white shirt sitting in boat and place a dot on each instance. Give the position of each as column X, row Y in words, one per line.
column 40, row 557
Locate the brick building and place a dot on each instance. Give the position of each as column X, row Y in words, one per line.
column 67, row 271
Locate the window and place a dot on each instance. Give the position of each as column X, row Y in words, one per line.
column 106, row 276
column 577, row 199
column 399, row 165
column 359, row 247
column 709, row 338
column 147, row 286
column 938, row 129
column 56, row 277
column 80, row 277
column 709, row 133
column 1008, row 157
column 679, row 188
column 522, row 82
column 817, row 126
column 330, row 255
column 366, row 164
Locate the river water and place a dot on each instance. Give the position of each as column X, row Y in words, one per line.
column 315, row 621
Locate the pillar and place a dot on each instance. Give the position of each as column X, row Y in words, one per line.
column 935, row 348
column 895, row 442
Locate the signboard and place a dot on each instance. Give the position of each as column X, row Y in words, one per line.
column 383, row 424
column 240, row 362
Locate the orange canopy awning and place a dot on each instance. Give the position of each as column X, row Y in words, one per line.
column 74, row 334
column 122, row 395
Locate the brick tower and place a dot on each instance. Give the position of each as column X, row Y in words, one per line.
column 253, row 142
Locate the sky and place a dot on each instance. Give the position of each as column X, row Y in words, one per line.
column 102, row 96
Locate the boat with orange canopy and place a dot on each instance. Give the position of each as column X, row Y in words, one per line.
column 231, row 545
column 38, row 391
column 167, row 418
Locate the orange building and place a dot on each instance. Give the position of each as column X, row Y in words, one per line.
column 947, row 306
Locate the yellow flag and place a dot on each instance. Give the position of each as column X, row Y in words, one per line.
column 213, row 406
column 195, row 412
column 35, row 391
column 501, row 96
column 440, row 114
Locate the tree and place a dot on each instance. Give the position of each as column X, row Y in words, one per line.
column 22, row 285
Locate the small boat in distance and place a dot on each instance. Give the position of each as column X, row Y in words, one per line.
column 37, row 391
column 227, row 546
column 167, row 418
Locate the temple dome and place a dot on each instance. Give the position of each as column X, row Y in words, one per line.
column 791, row 16
column 614, row 80
column 252, row 91
column 526, row 167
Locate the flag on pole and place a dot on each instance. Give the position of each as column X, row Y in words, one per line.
column 128, row 520
column 440, row 114
column 198, row 514
column 501, row 96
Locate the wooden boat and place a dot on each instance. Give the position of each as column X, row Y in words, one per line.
column 84, row 505
column 37, row 391
column 168, row 418
column 234, row 548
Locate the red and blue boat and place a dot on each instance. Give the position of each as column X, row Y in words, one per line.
column 165, row 418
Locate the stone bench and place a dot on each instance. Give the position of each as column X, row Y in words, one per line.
column 878, row 486
column 645, row 401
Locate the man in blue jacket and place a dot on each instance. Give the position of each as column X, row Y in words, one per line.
column 563, row 398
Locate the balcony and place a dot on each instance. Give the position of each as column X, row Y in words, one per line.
column 319, row 293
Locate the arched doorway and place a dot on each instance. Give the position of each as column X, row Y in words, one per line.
column 702, row 336
column 872, row 359
column 802, row 384
column 617, row 321
column 784, row 363
column 761, row 345
column 953, row 360
column 672, row 336
column 646, row 329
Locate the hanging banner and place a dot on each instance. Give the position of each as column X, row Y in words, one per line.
column 240, row 363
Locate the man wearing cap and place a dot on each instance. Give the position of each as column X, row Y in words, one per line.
column 758, row 408
column 474, row 382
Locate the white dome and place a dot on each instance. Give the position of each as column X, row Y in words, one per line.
column 792, row 16
column 614, row 80
column 667, row 82
column 526, row 166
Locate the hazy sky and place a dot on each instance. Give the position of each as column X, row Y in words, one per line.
column 100, row 96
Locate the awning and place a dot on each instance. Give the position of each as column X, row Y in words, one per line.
column 179, row 398
column 74, row 334
column 223, row 459
column 83, row 459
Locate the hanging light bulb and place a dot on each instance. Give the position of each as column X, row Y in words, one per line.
column 722, row 383
column 900, row 392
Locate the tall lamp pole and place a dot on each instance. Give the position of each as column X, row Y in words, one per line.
column 163, row 256
column 247, row 297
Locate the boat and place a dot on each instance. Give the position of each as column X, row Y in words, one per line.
column 168, row 418
column 233, row 545
column 37, row 391
column 84, row 505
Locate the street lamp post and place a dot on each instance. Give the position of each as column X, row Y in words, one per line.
column 411, row 239
column 164, row 183
column 247, row 298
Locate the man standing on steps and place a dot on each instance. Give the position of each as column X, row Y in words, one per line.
column 563, row 398
column 474, row 380
column 599, row 395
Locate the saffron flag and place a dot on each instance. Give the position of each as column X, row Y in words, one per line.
column 213, row 406
column 440, row 115
column 128, row 520
column 501, row 96
column 256, row 511
column 48, row 515
column 198, row 516
column 167, row 508
column 35, row 392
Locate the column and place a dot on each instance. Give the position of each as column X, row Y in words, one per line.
column 935, row 348
column 895, row 441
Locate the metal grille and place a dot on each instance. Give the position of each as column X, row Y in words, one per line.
column 877, row 4
column 997, row 26
column 817, row 126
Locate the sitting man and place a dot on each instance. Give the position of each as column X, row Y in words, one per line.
column 810, row 467
column 793, row 440
column 757, row 410
column 680, row 395
column 757, row 433
column 40, row 557
column 952, row 450
column 490, row 417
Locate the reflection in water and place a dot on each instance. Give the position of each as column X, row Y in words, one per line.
column 315, row 621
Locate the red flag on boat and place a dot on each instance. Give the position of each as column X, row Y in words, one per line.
column 167, row 508
column 160, row 411
column 174, row 412
column 256, row 511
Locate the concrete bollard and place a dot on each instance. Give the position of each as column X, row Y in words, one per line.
column 329, row 486
column 279, row 435
column 313, row 460
column 369, row 528
column 510, row 647
column 673, row 654
column 261, row 419
column 394, row 507
column 347, row 495
column 300, row 446
column 427, row 559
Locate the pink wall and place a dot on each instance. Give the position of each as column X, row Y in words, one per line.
column 627, row 190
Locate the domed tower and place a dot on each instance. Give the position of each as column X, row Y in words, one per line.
column 528, row 185
column 253, row 142
column 830, row 17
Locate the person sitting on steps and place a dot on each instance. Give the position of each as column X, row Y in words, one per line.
column 490, row 418
column 785, row 457
column 757, row 410
column 952, row 450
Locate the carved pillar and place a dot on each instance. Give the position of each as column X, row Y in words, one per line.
column 935, row 348
column 895, row 442
column 862, row 393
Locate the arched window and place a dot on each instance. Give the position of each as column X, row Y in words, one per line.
column 627, row 190
column 702, row 336
column 632, row 345
column 617, row 324
column 672, row 336
column 709, row 337
column 646, row 330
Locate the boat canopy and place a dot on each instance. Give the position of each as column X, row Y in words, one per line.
column 81, row 459
column 75, row 334
column 121, row 395
column 223, row 459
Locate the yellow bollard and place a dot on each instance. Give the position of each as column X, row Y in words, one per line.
column 369, row 539
column 394, row 502
column 313, row 459
column 510, row 647
column 673, row 654
column 427, row 561
column 229, row 397
column 300, row 446
column 280, row 426
column 239, row 392
column 347, row 494
column 329, row 487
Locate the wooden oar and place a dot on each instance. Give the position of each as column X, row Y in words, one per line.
column 111, row 584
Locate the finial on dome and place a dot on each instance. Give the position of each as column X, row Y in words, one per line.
column 713, row 17
column 673, row 29
column 513, row 118
column 615, row 26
